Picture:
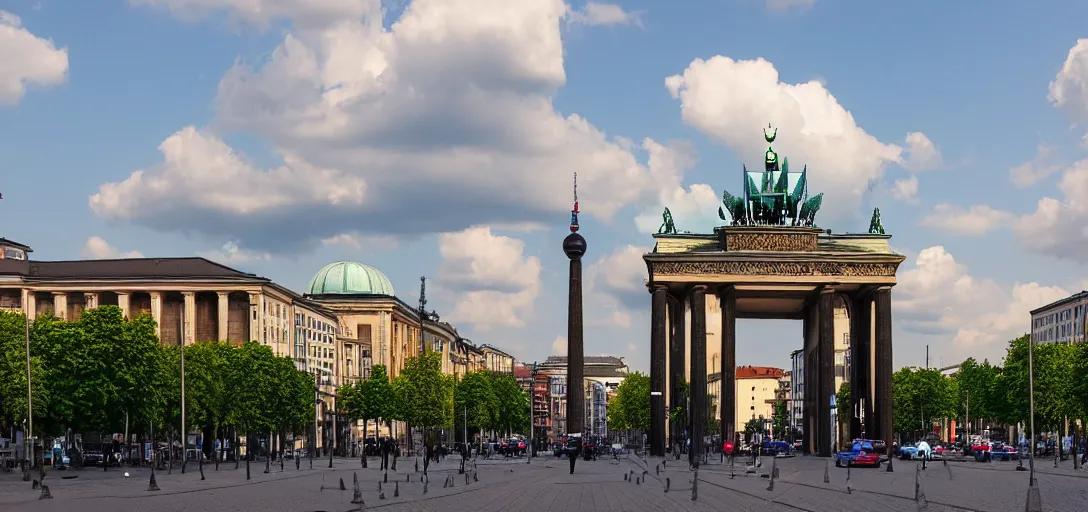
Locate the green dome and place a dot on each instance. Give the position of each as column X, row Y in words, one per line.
column 350, row 278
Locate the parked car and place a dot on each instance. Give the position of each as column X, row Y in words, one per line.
column 858, row 449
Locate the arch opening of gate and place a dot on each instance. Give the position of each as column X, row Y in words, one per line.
column 770, row 262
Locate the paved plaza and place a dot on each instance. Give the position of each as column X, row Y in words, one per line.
column 546, row 485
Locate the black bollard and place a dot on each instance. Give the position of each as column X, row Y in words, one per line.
column 394, row 461
column 46, row 495
column 201, row 466
column 407, row 478
column 330, row 459
column 385, row 477
column 356, row 493
column 298, row 462
column 281, row 463
column 342, row 486
column 268, row 463
column 35, row 485
column 396, row 489
column 364, row 459
column 827, row 473
column 152, row 485
column 668, row 483
column 247, row 468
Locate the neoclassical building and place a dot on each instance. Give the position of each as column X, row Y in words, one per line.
column 348, row 319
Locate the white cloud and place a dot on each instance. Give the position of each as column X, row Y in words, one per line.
column 1058, row 227
column 489, row 277
column 978, row 220
column 262, row 12
column 599, row 13
column 729, row 100
column 1069, row 89
column 922, row 154
column 441, row 122
column 616, row 283
column 98, row 249
column 694, row 208
column 27, row 59
column 939, row 297
column 231, row 254
column 786, row 5
column 559, row 346
column 906, row 190
column 360, row 243
column 1041, row 166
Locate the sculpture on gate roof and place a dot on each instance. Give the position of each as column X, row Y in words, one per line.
column 773, row 197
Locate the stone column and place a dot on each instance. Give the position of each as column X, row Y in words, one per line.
column 698, row 372
column 60, row 305
column 826, row 369
column 861, row 366
column 124, row 301
column 223, row 318
column 189, row 334
column 658, row 372
column 30, row 304
column 156, row 312
column 254, row 317
column 677, row 344
column 574, row 246
column 90, row 301
column 728, row 398
column 808, row 382
column 883, row 367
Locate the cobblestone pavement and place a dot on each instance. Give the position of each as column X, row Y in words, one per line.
column 545, row 484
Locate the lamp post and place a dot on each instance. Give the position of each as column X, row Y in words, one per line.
column 29, row 397
column 532, row 398
column 184, row 435
column 1031, row 407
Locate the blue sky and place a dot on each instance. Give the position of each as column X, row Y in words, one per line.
column 372, row 134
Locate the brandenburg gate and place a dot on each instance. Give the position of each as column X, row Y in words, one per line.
column 771, row 262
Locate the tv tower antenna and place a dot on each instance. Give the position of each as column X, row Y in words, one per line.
column 574, row 212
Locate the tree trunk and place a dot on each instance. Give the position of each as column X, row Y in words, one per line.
column 234, row 444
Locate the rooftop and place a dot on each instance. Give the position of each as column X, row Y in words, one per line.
column 1061, row 302
column 142, row 268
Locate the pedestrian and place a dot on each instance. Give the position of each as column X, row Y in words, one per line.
column 385, row 454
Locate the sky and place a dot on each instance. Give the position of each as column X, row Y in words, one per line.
column 439, row 138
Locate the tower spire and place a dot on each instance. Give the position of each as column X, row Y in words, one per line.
column 574, row 212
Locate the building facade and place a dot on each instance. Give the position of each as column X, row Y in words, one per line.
column 797, row 391
column 602, row 375
column 348, row 319
column 1061, row 321
column 496, row 360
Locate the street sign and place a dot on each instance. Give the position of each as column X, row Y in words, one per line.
column 655, row 393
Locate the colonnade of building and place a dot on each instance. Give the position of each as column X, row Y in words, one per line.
column 871, row 392
column 188, row 315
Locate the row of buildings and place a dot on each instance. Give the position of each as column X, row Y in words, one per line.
column 348, row 319
column 548, row 384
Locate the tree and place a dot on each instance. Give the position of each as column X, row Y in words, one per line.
column 512, row 413
column 919, row 397
column 378, row 398
column 630, row 407
column 679, row 415
column 13, row 390
column 426, row 393
column 781, row 420
column 475, row 401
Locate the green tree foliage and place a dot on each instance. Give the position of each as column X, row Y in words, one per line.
column 921, row 397
column 976, row 390
column 680, row 414
column 426, row 393
column 13, row 391
column 842, row 402
column 90, row 375
column 512, row 411
column 379, row 399
column 630, row 407
column 781, row 419
column 474, row 400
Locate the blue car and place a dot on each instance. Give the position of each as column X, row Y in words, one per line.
column 847, row 458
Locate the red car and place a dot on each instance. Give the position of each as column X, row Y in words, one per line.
column 866, row 459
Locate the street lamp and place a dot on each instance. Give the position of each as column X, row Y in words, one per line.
column 1033, row 491
column 29, row 397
